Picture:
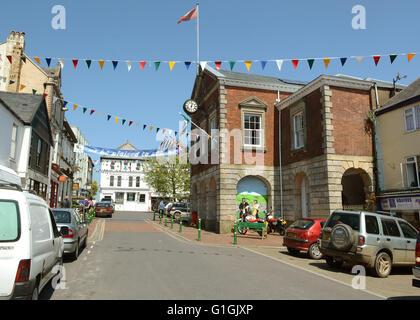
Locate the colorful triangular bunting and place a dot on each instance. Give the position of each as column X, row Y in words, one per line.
column 310, row 63
column 392, row 57
column 248, row 64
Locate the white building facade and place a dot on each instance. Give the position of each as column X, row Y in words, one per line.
column 83, row 176
column 122, row 180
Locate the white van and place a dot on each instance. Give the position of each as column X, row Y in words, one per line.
column 30, row 244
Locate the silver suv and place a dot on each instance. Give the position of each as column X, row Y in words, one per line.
column 375, row 240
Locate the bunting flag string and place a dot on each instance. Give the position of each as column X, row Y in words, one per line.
column 218, row 63
column 109, row 116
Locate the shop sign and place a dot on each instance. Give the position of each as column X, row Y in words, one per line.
column 401, row 203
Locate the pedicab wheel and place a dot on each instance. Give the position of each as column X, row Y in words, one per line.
column 282, row 231
column 242, row 230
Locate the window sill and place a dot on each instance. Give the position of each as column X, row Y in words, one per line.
column 253, row 149
column 301, row 149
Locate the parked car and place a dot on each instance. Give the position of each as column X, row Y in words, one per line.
column 416, row 269
column 180, row 209
column 109, row 200
column 104, row 209
column 77, row 230
column 376, row 240
column 303, row 235
column 31, row 247
column 168, row 206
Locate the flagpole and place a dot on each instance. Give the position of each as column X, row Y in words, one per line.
column 198, row 40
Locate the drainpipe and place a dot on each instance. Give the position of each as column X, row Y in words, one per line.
column 376, row 95
column 280, row 166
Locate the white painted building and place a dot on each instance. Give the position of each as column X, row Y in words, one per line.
column 82, row 177
column 26, row 140
column 122, row 180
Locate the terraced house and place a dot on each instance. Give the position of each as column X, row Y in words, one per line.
column 398, row 150
column 326, row 151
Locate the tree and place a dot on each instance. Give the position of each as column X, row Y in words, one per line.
column 170, row 178
column 93, row 189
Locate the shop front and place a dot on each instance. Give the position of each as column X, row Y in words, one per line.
column 404, row 205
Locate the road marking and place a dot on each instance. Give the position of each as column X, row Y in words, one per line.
column 91, row 247
column 102, row 231
column 315, row 273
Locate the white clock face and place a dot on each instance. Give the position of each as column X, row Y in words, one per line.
column 191, row 106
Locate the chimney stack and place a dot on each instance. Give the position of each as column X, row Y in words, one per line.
column 15, row 47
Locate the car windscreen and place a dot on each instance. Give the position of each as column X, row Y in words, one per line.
column 351, row 219
column 62, row 216
column 104, row 204
column 9, row 221
column 302, row 224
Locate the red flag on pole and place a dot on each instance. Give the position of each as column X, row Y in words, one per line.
column 190, row 15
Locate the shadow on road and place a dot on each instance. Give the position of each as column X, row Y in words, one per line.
column 405, row 298
column 345, row 268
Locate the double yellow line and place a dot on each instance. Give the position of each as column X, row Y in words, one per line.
column 98, row 235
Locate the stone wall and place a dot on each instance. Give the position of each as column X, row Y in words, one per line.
column 324, row 174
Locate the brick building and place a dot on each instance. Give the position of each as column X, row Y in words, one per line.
column 243, row 102
column 328, row 146
column 327, row 149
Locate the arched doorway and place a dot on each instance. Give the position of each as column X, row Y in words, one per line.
column 253, row 188
column 356, row 189
column 302, row 196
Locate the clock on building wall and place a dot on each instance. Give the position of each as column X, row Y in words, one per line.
column 190, row 106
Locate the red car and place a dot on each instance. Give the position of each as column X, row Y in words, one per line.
column 104, row 209
column 302, row 235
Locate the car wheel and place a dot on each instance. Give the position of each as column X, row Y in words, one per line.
column 75, row 254
column 383, row 265
column 314, row 252
column 334, row 263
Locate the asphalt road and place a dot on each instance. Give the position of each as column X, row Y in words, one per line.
column 128, row 258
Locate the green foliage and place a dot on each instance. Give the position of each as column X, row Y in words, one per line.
column 168, row 177
column 93, row 189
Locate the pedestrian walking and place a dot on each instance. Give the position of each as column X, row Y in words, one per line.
column 66, row 203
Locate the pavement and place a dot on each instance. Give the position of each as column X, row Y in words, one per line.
column 250, row 239
column 131, row 257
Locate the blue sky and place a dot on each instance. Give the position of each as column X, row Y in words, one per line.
column 229, row 30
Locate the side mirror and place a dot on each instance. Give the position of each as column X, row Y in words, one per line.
column 64, row 231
